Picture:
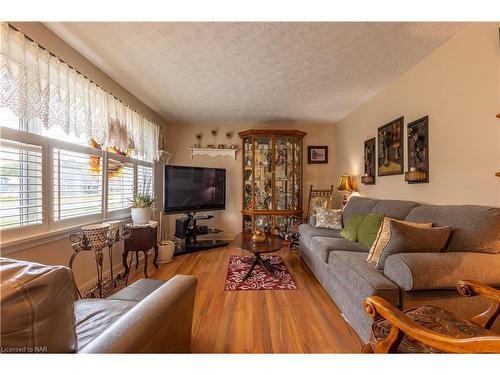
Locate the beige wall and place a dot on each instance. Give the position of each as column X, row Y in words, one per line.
column 457, row 85
column 319, row 175
column 59, row 251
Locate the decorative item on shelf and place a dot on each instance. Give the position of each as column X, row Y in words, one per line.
column 391, row 148
column 418, row 151
column 345, row 187
column 198, row 140
column 214, row 134
column 317, row 154
column 210, row 146
column 258, row 236
column 221, row 147
column 142, row 208
column 369, row 160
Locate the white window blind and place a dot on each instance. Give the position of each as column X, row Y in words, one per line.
column 120, row 184
column 77, row 184
column 21, row 184
column 144, row 180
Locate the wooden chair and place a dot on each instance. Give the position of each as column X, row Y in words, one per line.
column 430, row 329
column 314, row 195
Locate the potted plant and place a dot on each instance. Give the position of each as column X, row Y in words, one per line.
column 142, row 208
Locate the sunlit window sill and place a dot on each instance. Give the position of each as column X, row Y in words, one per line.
column 24, row 243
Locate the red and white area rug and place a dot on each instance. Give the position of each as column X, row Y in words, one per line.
column 260, row 279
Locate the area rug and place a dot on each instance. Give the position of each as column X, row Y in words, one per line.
column 260, row 279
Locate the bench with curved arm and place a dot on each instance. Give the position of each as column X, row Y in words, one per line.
column 401, row 324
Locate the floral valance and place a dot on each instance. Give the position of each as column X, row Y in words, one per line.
column 36, row 84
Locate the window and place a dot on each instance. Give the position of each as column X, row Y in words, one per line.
column 120, row 184
column 144, row 180
column 77, row 184
column 21, row 184
column 50, row 182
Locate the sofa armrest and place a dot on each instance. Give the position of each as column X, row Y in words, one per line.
column 160, row 323
column 426, row 271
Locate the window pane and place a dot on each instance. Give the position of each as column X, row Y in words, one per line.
column 144, row 180
column 21, row 184
column 120, row 184
column 9, row 119
column 77, row 184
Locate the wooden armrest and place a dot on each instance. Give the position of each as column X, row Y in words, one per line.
column 401, row 323
column 470, row 288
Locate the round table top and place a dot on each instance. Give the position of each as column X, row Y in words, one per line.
column 270, row 244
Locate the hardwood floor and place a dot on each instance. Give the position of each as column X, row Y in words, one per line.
column 274, row 321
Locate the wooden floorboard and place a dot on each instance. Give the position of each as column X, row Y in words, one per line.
column 271, row 321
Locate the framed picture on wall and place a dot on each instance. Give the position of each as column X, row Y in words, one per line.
column 391, row 148
column 369, row 160
column 317, row 154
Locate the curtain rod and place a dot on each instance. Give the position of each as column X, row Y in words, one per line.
column 76, row 70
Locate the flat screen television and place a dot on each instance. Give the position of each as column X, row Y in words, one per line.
column 193, row 189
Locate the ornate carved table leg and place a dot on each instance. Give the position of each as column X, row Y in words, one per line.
column 125, row 265
column 146, row 263
column 156, row 256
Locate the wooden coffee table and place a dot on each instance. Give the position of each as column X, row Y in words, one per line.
column 271, row 244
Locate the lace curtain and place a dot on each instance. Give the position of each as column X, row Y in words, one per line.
column 33, row 83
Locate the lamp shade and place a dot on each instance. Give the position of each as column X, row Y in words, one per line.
column 345, row 183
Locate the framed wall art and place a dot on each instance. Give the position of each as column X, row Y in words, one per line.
column 317, row 154
column 418, row 151
column 369, row 156
column 391, row 148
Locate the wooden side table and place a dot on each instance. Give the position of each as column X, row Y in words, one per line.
column 142, row 239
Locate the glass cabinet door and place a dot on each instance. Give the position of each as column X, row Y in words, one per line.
column 247, row 173
column 297, row 176
column 263, row 169
column 283, row 173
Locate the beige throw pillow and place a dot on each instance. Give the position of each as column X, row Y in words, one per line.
column 383, row 236
column 328, row 218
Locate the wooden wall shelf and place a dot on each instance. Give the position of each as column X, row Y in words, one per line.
column 212, row 152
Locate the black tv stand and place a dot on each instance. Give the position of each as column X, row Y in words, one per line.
column 187, row 229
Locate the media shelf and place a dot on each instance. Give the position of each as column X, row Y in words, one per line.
column 188, row 231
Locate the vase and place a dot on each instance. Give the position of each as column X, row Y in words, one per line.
column 141, row 216
column 165, row 251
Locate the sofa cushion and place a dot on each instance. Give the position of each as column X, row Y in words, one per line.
column 36, row 307
column 394, row 208
column 361, row 277
column 350, row 231
column 94, row 316
column 369, row 228
column 324, row 245
column 358, row 205
column 308, row 232
column 410, row 239
column 475, row 228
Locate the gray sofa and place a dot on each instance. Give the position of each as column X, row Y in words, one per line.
column 408, row 280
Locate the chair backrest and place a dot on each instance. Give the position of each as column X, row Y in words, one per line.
column 317, row 194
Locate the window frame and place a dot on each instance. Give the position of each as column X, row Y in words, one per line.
column 50, row 226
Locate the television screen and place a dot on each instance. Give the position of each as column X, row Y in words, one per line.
column 190, row 189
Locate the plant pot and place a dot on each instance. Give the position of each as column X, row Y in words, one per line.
column 165, row 251
column 141, row 216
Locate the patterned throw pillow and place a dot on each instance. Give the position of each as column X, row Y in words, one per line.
column 315, row 204
column 383, row 236
column 329, row 218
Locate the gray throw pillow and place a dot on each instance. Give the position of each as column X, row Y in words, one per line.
column 409, row 239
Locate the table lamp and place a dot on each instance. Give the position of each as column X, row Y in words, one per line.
column 345, row 186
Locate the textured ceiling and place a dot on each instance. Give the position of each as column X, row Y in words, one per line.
column 236, row 72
